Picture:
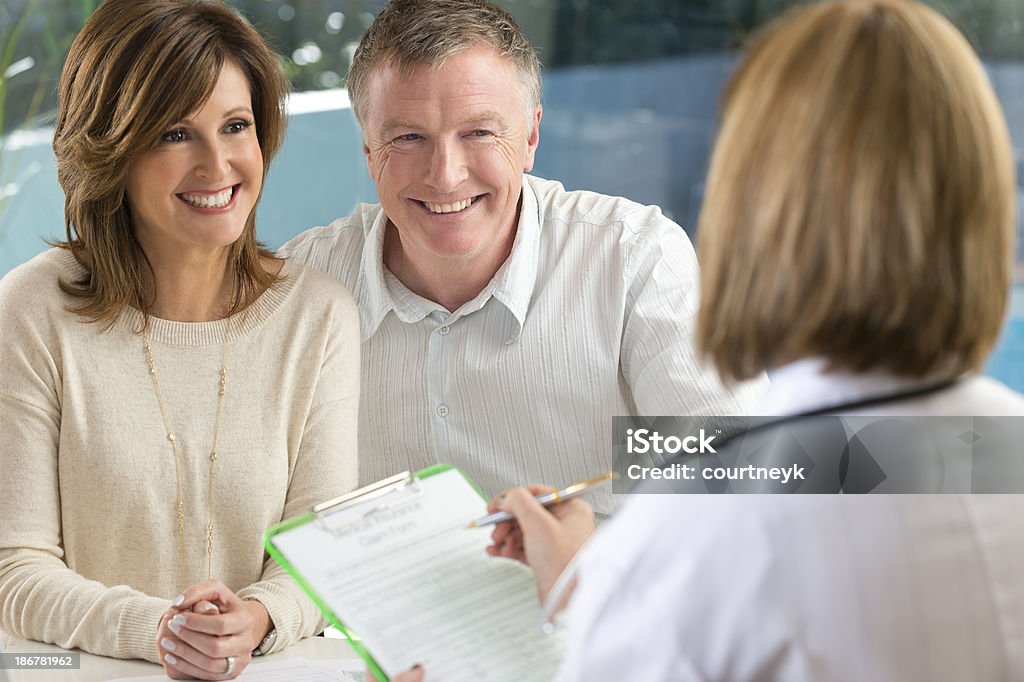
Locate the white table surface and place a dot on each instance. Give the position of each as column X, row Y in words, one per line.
column 99, row 668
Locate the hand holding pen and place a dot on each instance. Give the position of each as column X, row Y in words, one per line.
column 544, row 538
column 550, row 498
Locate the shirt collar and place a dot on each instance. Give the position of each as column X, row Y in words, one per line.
column 379, row 292
column 515, row 280
column 804, row 386
column 371, row 288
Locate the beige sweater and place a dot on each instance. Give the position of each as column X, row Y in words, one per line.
column 88, row 541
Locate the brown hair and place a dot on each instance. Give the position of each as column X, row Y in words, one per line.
column 860, row 203
column 136, row 68
column 413, row 32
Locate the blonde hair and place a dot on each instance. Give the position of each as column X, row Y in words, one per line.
column 136, row 68
column 409, row 33
column 861, row 198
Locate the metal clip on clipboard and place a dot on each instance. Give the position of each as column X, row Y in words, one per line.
column 349, row 509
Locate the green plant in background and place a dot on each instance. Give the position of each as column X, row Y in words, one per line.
column 8, row 70
column 35, row 43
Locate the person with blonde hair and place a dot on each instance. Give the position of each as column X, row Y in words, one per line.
column 170, row 388
column 867, row 228
column 856, row 238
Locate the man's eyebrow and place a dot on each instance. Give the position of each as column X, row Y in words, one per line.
column 227, row 114
column 486, row 117
column 395, row 124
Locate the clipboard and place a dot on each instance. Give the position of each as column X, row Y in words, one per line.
column 394, row 567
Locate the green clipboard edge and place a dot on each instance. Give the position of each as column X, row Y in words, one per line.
column 288, row 524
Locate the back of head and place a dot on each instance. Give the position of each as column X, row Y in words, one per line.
column 409, row 33
column 860, row 203
column 136, row 69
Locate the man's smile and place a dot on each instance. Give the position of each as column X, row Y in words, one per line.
column 452, row 207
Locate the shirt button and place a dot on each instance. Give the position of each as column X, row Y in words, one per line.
column 442, row 410
column 443, row 331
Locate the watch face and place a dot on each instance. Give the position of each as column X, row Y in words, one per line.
column 265, row 645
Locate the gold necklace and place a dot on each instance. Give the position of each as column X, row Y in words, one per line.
column 180, row 504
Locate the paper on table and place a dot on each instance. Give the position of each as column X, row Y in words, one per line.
column 291, row 669
column 417, row 586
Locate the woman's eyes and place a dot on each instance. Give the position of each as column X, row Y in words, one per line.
column 176, row 135
column 238, row 126
column 181, row 135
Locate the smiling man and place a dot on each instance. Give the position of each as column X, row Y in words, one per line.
column 505, row 320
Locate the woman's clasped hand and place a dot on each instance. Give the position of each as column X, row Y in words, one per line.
column 209, row 633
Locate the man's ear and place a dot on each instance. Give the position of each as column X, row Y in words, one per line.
column 367, row 154
column 533, row 139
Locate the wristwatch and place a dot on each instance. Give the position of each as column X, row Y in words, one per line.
column 267, row 643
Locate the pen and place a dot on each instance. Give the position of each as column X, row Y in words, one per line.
column 551, row 499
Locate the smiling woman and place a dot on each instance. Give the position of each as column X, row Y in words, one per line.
column 158, row 68
column 129, row 429
column 194, row 192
